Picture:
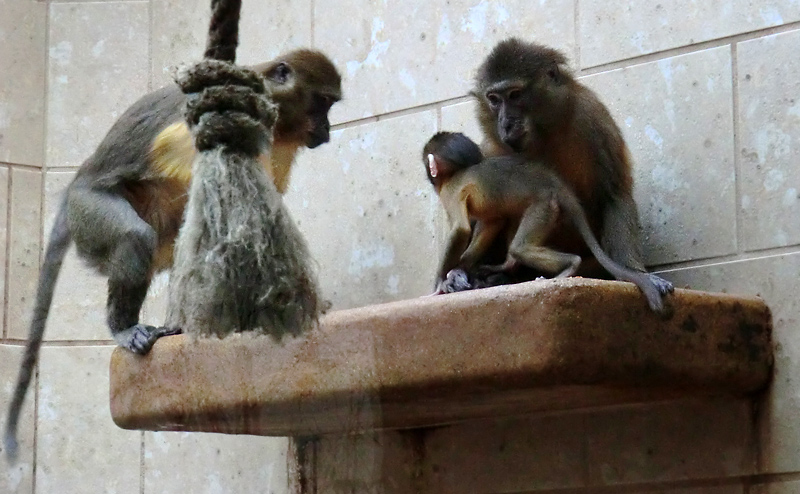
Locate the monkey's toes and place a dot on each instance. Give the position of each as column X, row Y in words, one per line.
column 664, row 286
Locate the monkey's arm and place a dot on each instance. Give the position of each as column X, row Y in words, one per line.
column 458, row 239
column 482, row 239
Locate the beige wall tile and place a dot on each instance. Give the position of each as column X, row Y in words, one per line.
column 508, row 455
column 673, row 441
column 98, row 67
column 397, row 55
column 23, row 265
column 4, row 197
column 769, row 139
column 79, row 449
column 775, row 279
column 220, row 464
column 78, row 309
column 369, row 214
column 613, row 31
column 676, row 116
column 22, row 83
column 461, row 117
column 17, row 478
column 267, row 28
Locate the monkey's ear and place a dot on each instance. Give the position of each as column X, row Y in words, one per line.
column 433, row 165
column 280, row 73
column 558, row 71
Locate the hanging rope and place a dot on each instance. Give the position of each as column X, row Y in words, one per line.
column 240, row 262
column 223, row 32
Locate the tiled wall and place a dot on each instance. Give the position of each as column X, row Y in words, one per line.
column 707, row 94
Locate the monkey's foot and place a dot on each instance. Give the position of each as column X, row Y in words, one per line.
column 664, row 286
column 457, row 281
column 140, row 338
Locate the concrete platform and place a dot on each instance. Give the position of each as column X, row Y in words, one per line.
column 538, row 346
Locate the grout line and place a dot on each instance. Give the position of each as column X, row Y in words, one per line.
column 313, row 6
column 150, row 67
column 60, row 343
column 737, row 163
column 402, row 112
column 686, row 49
column 728, row 259
column 141, row 464
column 576, row 33
column 7, row 247
column 22, row 166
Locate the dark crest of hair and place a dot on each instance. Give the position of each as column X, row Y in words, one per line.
column 453, row 147
column 517, row 59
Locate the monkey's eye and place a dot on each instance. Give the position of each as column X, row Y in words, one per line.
column 514, row 95
column 552, row 73
column 494, row 99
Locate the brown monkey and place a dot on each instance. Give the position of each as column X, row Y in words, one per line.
column 495, row 194
column 529, row 103
column 125, row 205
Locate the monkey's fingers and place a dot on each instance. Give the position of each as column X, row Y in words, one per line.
column 217, row 73
column 139, row 339
column 231, row 99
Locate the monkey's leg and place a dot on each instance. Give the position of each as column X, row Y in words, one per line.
column 620, row 236
column 620, row 239
column 108, row 231
column 526, row 247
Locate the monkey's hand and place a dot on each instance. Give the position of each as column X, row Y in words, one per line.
column 457, row 280
column 140, row 338
column 228, row 105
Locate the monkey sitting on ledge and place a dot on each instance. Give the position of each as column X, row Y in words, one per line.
column 531, row 105
column 486, row 197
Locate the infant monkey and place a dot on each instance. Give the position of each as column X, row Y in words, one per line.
column 499, row 192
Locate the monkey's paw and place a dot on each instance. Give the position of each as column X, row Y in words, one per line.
column 140, row 338
column 664, row 287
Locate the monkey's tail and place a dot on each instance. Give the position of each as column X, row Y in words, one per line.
column 54, row 256
column 568, row 201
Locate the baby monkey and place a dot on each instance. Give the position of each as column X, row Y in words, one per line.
column 495, row 194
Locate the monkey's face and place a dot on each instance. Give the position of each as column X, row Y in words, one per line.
column 509, row 106
column 305, row 85
column 318, row 124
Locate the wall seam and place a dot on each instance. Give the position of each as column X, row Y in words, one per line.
column 7, row 247
column 576, row 33
column 401, row 112
column 313, row 6
column 737, row 164
column 687, row 49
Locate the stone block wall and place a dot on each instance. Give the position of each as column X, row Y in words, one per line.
column 707, row 95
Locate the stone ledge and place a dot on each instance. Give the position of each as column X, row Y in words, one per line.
column 539, row 346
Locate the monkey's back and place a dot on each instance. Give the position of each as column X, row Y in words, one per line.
column 511, row 184
column 123, row 154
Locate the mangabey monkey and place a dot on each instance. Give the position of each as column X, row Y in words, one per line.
column 529, row 103
column 508, row 191
column 125, row 205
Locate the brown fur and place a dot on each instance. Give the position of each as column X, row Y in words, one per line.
column 541, row 112
column 484, row 197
